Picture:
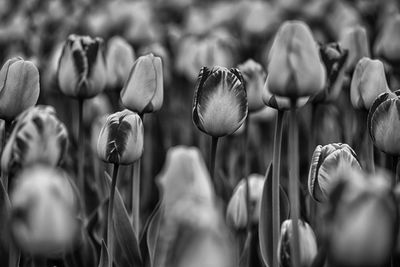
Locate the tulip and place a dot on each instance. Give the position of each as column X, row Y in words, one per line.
column 325, row 163
column 368, row 83
column 96, row 107
column 387, row 43
column 355, row 40
column 161, row 51
column 143, row 90
column 294, row 67
column 19, row 87
column 81, row 70
column 254, row 77
column 307, row 240
column 43, row 217
column 121, row 138
column 37, row 137
column 120, row 58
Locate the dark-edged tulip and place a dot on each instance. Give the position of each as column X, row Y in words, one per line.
column 43, row 217
column 307, row 242
column 121, row 138
column 81, row 70
column 355, row 40
column 143, row 91
column 294, row 67
column 368, row 83
column 19, row 87
column 325, row 163
column 254, row 77
column 236, row 212
column 384, row 122
column 387, row 45
column 220, row 101
column 120, row 58
column 37, row 137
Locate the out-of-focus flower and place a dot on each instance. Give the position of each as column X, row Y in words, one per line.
column 384, row 122
column 325, row 163
column 355, row 40
column 220, row 101
column 143, row 91
column 96, row 107
column 341, row 15
column 37, row 137
column 295, row 68
column 120, row 58
column 121, row 138
column 361, row 220
column 307, row 243
column 387, row 45
column 81, row 70
column 19, row 87
column 328, row 126
column 368, row 83
column 43, row 216
column 236, row 213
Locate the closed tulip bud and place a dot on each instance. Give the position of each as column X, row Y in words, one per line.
column 19, row 87
column 355, row 40
column 254, row 77
column 387, row 44
column 143, row 91
column 37, row 137
column 81, row 70
column 220, row 101
column 236, row 213
column 307, row 244
column 368, row 83
column 295, row 68
column 325, row 163
column 43, row 216
column 120, row 58
column 121, row 138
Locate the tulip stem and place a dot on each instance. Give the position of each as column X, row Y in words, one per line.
column 4, row 174
column 275, row 186
column 293, row 144
column 246, row 171
column 110, row 235
column 81, row 154
column 214, row 144
column 370, row 148
column 136, row 197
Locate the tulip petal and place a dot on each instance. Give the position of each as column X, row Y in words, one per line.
column 204, row 73
column 312, row 176
column 157, row 99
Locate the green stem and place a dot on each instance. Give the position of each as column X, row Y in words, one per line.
column 246, row 171
column 4, row 174
column 110, row 235
column 293, row 144
column 81, row 154
column 214, row 144
column 275, row 186
column 136, row 197
column 370, row 153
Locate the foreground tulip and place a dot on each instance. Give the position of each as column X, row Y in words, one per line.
column 355, row 40
column 308, row 244
column 294, row 67
column 387, row 44
column 19, row 87
column 368, row 83
column 143, row 91
column 43, row 216
column 325, row 163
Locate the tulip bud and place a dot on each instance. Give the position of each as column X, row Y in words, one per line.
column 368, row 83
column 387, row 43
column 143, row 91
column 294, row 67
column 307, row 244
column 121, row 138
column 236, row 213
column 120, row 58
column 384, row 122
column 81, row 69
column 19, row 87
column 254, row 77
column 355, row 40
column 43, row 216
column 325, row 163
column 220, row 101
column 37, row 137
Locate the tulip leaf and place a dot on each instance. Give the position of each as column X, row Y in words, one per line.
column 153, row 232
column 123, row 231
column 103, row 262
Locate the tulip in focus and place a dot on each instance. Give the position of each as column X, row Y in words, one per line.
column 387, row 44
column 121, row 138
column 19, row 87
column 355, row 40
column 220, row 101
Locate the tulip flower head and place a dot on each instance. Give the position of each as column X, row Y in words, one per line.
column 19, row 87
column 37, row 137
column 387, row 44
column 326, row 162
column 43, row 216
column 368, row 83
column 143, row 91
column 294, row 68
column 81, row 70
column 220, row 101
column 121, row 138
